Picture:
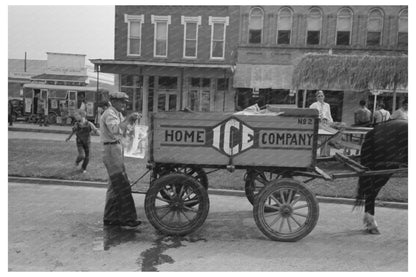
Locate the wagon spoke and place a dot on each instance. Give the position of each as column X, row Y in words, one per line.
column 289, row 198
column 172, row 217
column 295, row 200
column 181, row 191
column 178, row 215
column 300, row 207
column 272, row 207
column 162, row 199
column 275, row 199
column 283, row 197
column 281, row 226
column 165, row 214
column 291, row 216
column 190, row 202
column 190, row 209
column 275, row 220
column 261, row 180
column 288, row 224
column 302, row 215
column 271, row 214
column 185, row 216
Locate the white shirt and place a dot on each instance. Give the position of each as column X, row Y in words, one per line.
column 324, row 110
column 381, row 115
column 399, row 114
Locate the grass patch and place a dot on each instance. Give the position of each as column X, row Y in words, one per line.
column 55, row 159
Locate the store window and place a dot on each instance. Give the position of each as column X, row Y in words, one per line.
column 161, row 30
column 131, row 85
column 190, row 39
column 167, row 98
column 284, row 26
column 403, row 32
column 344, row 27
column 218, row 31
column 374, row 27
column 314, row 27
column 255, row 25
column 134, row 33
column 199, row 97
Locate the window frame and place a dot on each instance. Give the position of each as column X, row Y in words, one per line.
column 128, row 18
column 291, row 26
column 262, row 25
column 320, row 30
column 381, row 27
column 398, row 27
column 184, row 21
column 351, row 16
column 155, row 19
column 218, row 20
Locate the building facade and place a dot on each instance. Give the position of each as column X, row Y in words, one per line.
column 168, row 58
column 272, row 40
column 225, row 58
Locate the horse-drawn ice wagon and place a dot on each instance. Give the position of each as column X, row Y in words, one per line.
column 273, row 148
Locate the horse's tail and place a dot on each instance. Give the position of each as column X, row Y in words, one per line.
column 363, row 190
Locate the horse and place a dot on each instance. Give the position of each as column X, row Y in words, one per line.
column 384, row 147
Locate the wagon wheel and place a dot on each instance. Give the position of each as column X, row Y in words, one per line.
column 295, row 210
column 256, row 181
column 174, row 215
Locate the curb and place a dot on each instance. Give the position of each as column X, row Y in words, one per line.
column 54, row 131
column 222, row 192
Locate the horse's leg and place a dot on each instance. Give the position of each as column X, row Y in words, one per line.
column 369, row 219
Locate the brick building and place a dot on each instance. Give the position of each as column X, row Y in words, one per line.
column 272, row 40
column 171, row 57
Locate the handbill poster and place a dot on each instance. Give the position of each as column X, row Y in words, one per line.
column 135, row 141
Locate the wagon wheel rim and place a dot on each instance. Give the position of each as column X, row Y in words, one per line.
column 177, row 205
column 286, row 211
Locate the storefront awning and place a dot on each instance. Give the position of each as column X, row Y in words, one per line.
column 59, row 87
column 102, row 62
column 57, row 77
column 263, row 76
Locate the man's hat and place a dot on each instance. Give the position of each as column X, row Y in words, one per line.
column 119, row 95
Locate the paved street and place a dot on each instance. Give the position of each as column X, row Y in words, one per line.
column 59, row 228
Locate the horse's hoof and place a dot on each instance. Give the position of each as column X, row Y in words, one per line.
column 373, row 231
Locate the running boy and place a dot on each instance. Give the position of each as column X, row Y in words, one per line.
column 83, row 129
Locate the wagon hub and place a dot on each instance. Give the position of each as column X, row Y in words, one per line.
column 286, row 210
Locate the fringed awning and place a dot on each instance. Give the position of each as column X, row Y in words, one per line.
column 351, row 72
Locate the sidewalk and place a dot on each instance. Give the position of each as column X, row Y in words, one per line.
column 32, row 127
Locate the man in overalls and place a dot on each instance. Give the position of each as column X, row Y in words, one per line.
column 119, row 207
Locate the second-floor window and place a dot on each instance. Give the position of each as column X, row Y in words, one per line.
column 190, row 48
column 160, row 44
column 314, row 26
column 255, row 25
column 218, row 28
column 402, row 35
column 374, row 27
column 134, row 34
column 344, row 27
column 284, row 26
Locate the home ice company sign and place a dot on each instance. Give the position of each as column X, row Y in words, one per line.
column 232, row 137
